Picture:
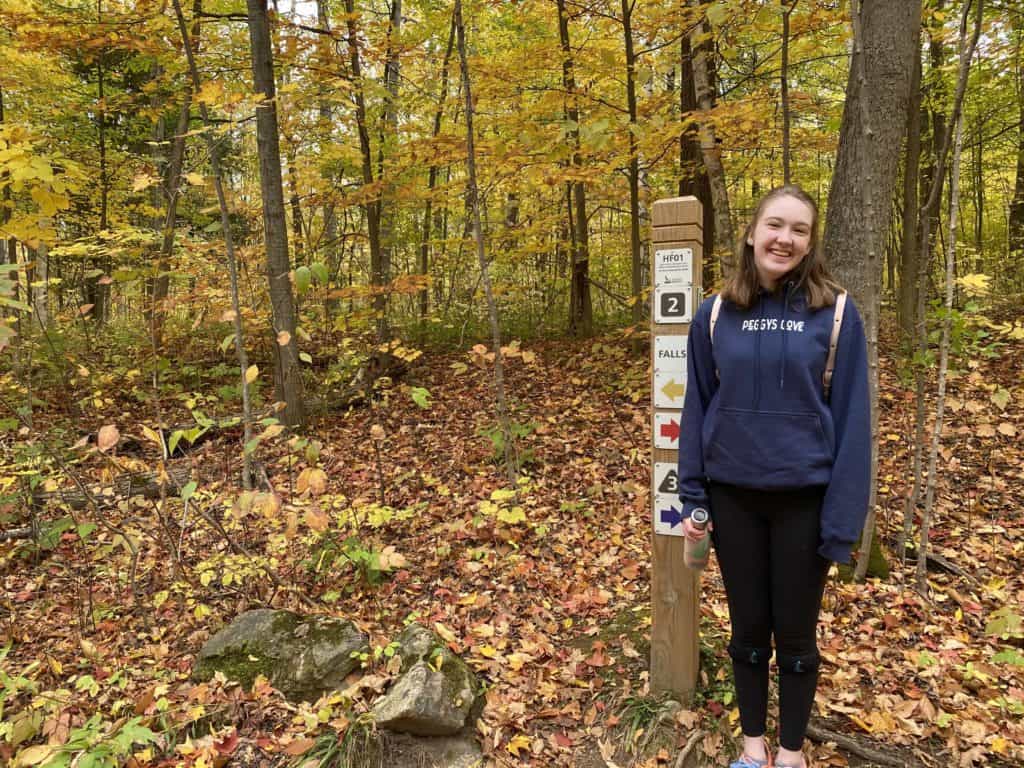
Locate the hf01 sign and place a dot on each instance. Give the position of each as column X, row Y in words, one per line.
column 673, row 265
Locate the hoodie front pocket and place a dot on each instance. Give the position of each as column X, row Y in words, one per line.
column 767, row 449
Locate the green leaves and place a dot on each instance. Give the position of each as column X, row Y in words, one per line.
column 188, row 490
column 1005, row 623
column 319, row 272
column 717, row 13
column 1001, row 397
column 303, row 277
column 420, row 396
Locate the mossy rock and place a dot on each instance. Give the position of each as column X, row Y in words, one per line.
column 302, row 656
column 878, row 563
column 436, row 692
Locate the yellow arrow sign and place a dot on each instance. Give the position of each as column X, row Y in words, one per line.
column 672, row 390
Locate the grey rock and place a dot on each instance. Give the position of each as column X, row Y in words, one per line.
column 435, row 692
column 424, row 701
column 417, row 643
column 302, row 656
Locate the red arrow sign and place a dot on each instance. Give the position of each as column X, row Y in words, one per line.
column 670, row 430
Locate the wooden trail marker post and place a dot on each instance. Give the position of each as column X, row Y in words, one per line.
column 675, row 619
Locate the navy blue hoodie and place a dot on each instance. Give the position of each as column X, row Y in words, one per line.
column 755, row 413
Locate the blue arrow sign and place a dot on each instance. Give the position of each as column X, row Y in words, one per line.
column 671, row 516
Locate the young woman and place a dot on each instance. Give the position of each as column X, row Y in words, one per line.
column 779, row 459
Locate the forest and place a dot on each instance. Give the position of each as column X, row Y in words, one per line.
column 343, row 308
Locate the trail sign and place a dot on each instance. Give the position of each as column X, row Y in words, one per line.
column 666, row 478
column 676, row 258
column 673, row 303
column 666, row 430
column 669, row 371
column 673, row 265
column 668, row 515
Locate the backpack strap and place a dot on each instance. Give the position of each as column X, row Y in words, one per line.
column 716, row 308
column 833, row 344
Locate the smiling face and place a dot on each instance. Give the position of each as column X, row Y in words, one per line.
column 780, row 238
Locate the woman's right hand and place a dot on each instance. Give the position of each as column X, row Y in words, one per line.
column 694, row 533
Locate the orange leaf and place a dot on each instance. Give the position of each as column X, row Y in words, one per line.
column 107, row 437
column 598, row 659
column 317, row 520
column 299, row 747
column 228, row 744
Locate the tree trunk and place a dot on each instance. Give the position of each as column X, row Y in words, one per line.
column 581, row 313
column 424, row 266
column 328, row 242
column 97, row 294
column 473, row 204
column 1016, row 217
column 936, row 96
column 929, row 210
column 947, row 322
column 693, row 179
column 371, row 207
column 9, row 255
column 927, row 214
column 724, row 245
column 40, row 276
column 869, row 202
column 287, row 375
column 787, row 9
column 634, row 165
column 171, row 178
column 229, row 246
column 910, row 256
column 911, row 178
column 291, row 176
column 878, row 89
column 6, row 206
column 978, row 181
column 294, row 204
column 388, row 138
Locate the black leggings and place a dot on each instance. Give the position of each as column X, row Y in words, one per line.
column 766, row 543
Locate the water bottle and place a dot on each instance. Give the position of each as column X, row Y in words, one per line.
column 695, row 553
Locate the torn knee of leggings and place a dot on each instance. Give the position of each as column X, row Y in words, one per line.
column 807, row 662
column 746, row 654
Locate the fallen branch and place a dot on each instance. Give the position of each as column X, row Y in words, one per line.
column 360, row 388
column 951, row 567
column 15, row 534
column 856, row 746
column 690, row 744
column 944, row 564
column 106, row 495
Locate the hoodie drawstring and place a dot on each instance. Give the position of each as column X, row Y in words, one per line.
column 785, row 336
column 757, row 351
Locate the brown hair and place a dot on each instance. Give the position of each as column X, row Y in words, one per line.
column 742, row 284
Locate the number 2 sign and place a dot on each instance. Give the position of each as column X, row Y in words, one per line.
column 672, row 303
